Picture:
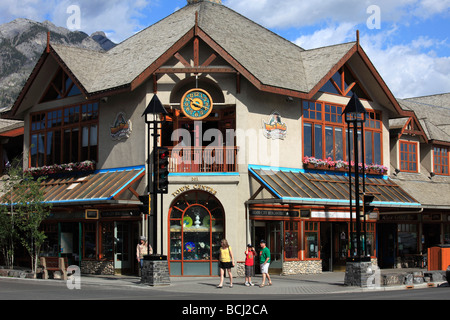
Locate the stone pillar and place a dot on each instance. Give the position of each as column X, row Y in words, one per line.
column 357, row 273
column 155, row 271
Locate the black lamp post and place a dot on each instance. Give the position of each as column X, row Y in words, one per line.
column 355, row 116
column 154, row 108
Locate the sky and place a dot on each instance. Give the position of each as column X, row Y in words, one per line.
column 408, row 41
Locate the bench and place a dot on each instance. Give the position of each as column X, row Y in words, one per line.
column 54, row 264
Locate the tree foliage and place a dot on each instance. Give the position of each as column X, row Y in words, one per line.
column 22, row 211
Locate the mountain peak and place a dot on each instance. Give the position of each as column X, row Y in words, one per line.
column 22, row 42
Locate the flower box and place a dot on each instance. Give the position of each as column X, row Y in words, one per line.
column 62, row 168
column 311, row 163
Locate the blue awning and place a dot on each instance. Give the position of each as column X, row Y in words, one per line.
column 98, row 186
column 298, row 186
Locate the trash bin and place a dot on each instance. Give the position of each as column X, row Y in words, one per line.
column 439, row 257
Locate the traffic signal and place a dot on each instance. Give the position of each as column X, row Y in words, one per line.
column 162, row 170
column 367, row 201
column 145, row 206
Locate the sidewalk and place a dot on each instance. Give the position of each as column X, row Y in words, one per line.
column 324, row 283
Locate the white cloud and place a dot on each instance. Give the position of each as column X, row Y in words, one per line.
column 341, row 33
column 407, row 69
column 117, row 18
column 299, row 13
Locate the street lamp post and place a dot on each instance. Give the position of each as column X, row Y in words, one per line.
column 355, row 116
column 155, row 270
column 154, row 108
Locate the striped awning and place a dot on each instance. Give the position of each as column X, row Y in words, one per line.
column 299, row 186
column 99, row 186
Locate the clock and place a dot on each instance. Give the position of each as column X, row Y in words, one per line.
column 196, row 104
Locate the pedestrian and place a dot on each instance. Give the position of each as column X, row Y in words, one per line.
column 226, row 262
column 264, row 259
column 250, row 254
column 142, row 250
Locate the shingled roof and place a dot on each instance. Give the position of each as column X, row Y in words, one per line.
column 273, row 60
column 433, row 113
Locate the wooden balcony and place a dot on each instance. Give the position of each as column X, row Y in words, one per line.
column 203, row 159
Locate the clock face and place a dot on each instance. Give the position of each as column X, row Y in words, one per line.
column 196, row 104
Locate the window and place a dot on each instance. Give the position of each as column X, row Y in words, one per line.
column 60, row 87
column 344, row 83
column 440, row 160
column 325, row 133
column 407, row 239
column 312, row 240
column 408, row 156
column 291, row 240
column 64, row 135
column 90, row 241
column 196, row 229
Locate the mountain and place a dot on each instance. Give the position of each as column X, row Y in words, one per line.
column 23, row 41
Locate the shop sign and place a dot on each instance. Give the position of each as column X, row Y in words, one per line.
column 195, row 187
column 121, row 128
column 275, row 213
column 275, row 128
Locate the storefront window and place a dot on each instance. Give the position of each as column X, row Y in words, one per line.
column 108, row 241
column 90, row 240
column 446, row 233
column 291, row 240
column 407, row 239
column 312, row 240
column 196, row 228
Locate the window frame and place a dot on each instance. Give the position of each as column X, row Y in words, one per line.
column 405, row 163
column 320, row 117
column 439, row 160
column 45, row 124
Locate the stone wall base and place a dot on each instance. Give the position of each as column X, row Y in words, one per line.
column 357, row 273
column 97, row 267
column 155, row 273
column 289, row 267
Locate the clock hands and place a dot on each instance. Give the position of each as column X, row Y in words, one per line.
column 195, row 103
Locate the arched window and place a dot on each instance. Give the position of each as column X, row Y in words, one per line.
column 196, row 222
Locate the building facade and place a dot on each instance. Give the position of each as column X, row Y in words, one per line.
column 258, row 146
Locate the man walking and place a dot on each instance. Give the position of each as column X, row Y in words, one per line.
column 265, row 262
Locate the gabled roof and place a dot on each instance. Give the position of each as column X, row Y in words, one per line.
column 433, row 113
column 267, row 60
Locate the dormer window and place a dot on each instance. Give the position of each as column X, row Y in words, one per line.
column 409, row 156
column 440, row 160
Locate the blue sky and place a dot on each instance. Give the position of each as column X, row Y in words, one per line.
column 408, row 41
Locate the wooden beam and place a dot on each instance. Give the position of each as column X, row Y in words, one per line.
column 162, row 59
column 196, row 70
column 182, row 60
column 196, row 52
column 208, row 61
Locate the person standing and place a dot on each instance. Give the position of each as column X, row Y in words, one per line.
column 265, row 262
column 226, row 262
column 142, row 250
column 249, row 264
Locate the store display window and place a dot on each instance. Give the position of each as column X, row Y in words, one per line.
column 196, row 229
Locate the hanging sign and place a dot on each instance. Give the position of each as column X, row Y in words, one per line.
column 275, row 128
column 121, row 128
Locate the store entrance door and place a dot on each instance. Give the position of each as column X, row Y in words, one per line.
column 122, row 264
column 333, row 245
column 272, row 232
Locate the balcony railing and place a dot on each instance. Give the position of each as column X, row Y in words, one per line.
column 203, row 159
